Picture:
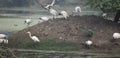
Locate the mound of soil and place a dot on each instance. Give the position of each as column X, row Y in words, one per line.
column 74, row 29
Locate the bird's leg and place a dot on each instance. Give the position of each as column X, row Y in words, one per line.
column 28, row 25
column 113, row 40
column 87, row 46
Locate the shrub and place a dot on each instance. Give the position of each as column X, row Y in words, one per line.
column 89, row 32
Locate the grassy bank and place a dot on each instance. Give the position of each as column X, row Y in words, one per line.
column 50, row 44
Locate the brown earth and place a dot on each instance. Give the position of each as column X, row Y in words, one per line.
column 74, row 29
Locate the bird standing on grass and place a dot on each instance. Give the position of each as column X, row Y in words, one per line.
column 88, row 43
column 34, row 38
column 5, row 41
column 28, row 22
column 116, row 36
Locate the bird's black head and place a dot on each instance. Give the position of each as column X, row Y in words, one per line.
column 59, row 14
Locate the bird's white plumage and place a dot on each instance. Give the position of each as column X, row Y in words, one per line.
column 4, row 41
column 28, row 21
column 53, row 2
column 47, row 7
column 65, row 14
column 77, row 9
column 89, row 42
column 116, row 35
column 3, row 36
column 34, row 38
column 53, row 12
column 104, row 14
column 50, row 5
column 44, row 18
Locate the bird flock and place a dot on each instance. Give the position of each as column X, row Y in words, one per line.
column 54, row 13
column 77, row 11
column 50, row 8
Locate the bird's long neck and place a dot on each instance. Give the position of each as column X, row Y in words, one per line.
column 30, row 35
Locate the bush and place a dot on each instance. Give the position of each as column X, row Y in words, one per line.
column 89, row 32
column 105, row 5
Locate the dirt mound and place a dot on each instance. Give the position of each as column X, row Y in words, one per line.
column 73, row 29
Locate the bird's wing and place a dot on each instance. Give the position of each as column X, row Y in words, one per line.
column 53, row 3
column 35, row 38
column 43, row 7
column 47, row 7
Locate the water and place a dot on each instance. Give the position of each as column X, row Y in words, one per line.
column 14, row 20
column 61, row 54
column 9, row 25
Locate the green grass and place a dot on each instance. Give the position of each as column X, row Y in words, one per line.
column 52, row 44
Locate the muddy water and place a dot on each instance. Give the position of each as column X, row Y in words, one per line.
column 10, row 25
column 62, row 54
column 13, row 22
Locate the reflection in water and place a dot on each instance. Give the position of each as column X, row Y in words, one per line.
column 53, row 54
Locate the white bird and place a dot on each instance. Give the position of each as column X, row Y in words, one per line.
column 4, row 41
column 49, row 5
column 88, row 42
column 44, row 18
column 116, row 35
column 104, row 14
column 34, row 38
column 53, row 12
column 65, row 14
column 3, row 36
column 28, row 21
column 77, row 10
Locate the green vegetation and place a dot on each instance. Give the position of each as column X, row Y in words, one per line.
column 105, row 5
column 89, row 32
column 51, row 44
column 6, row 53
